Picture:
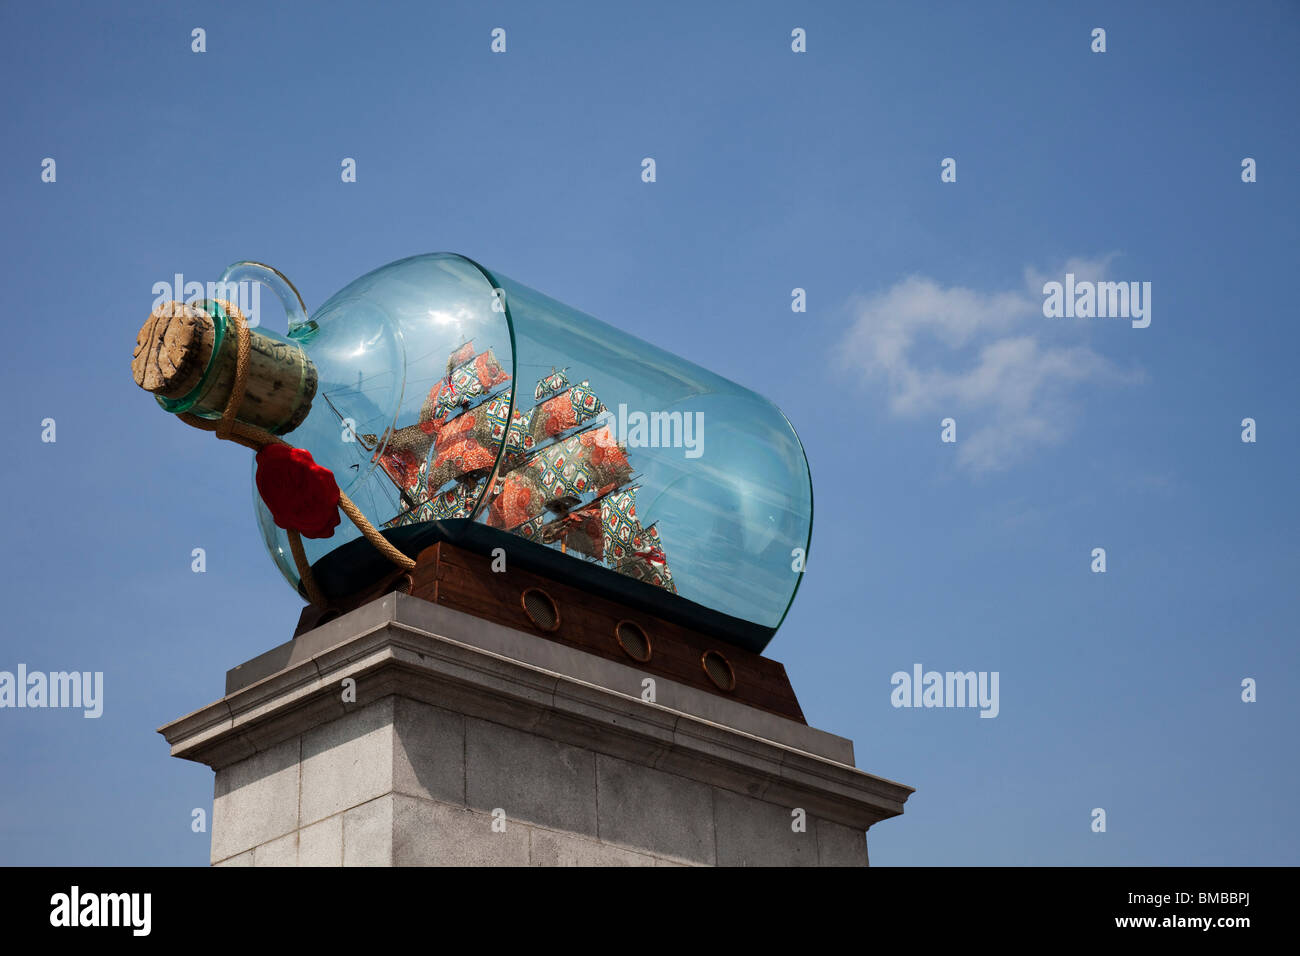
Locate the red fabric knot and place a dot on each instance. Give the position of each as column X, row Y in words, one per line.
column 302, row 496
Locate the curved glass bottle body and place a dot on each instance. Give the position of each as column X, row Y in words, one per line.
column 455, row 402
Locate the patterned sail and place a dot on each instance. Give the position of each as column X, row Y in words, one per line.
column 462, row 384
column 549, row 489
column 468, row 443
column 630, row 548
column 575, row 406
column 549, row 385
column 407, row 449
column 560, row 477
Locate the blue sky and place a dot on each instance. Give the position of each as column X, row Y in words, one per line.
column 775, row 170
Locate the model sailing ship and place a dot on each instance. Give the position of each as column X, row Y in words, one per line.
column 564, row 479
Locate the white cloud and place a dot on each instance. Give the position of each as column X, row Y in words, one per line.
column 986, row 356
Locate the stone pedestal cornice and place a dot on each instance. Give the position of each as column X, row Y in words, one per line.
column 405, row 648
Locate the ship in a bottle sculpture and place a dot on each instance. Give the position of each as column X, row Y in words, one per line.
column 435, row 401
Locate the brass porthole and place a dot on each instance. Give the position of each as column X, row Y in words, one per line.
column 540, row 608
column 634, row 640
column 718, row 669
column 403, row 584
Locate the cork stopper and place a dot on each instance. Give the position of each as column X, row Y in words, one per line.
column 174, row 360
column 172, row 349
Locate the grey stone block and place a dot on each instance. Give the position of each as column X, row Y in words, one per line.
column 282, row 851
column 840, row 845
column 625, row 727
column 304, row 647
column 321, row 844
column 347, row 761
column 755, row 833
column 534, row 779
column 429, row 753
column 433, row 834
column 256, row 800
column 457, row 716
column 718, row 747
column 659, row 812
column 553, row 848
column 240, row 859
column 368, row 833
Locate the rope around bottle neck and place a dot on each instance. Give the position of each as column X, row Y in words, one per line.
column 228, row 428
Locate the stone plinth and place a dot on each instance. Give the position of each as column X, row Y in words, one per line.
column 405, row 733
